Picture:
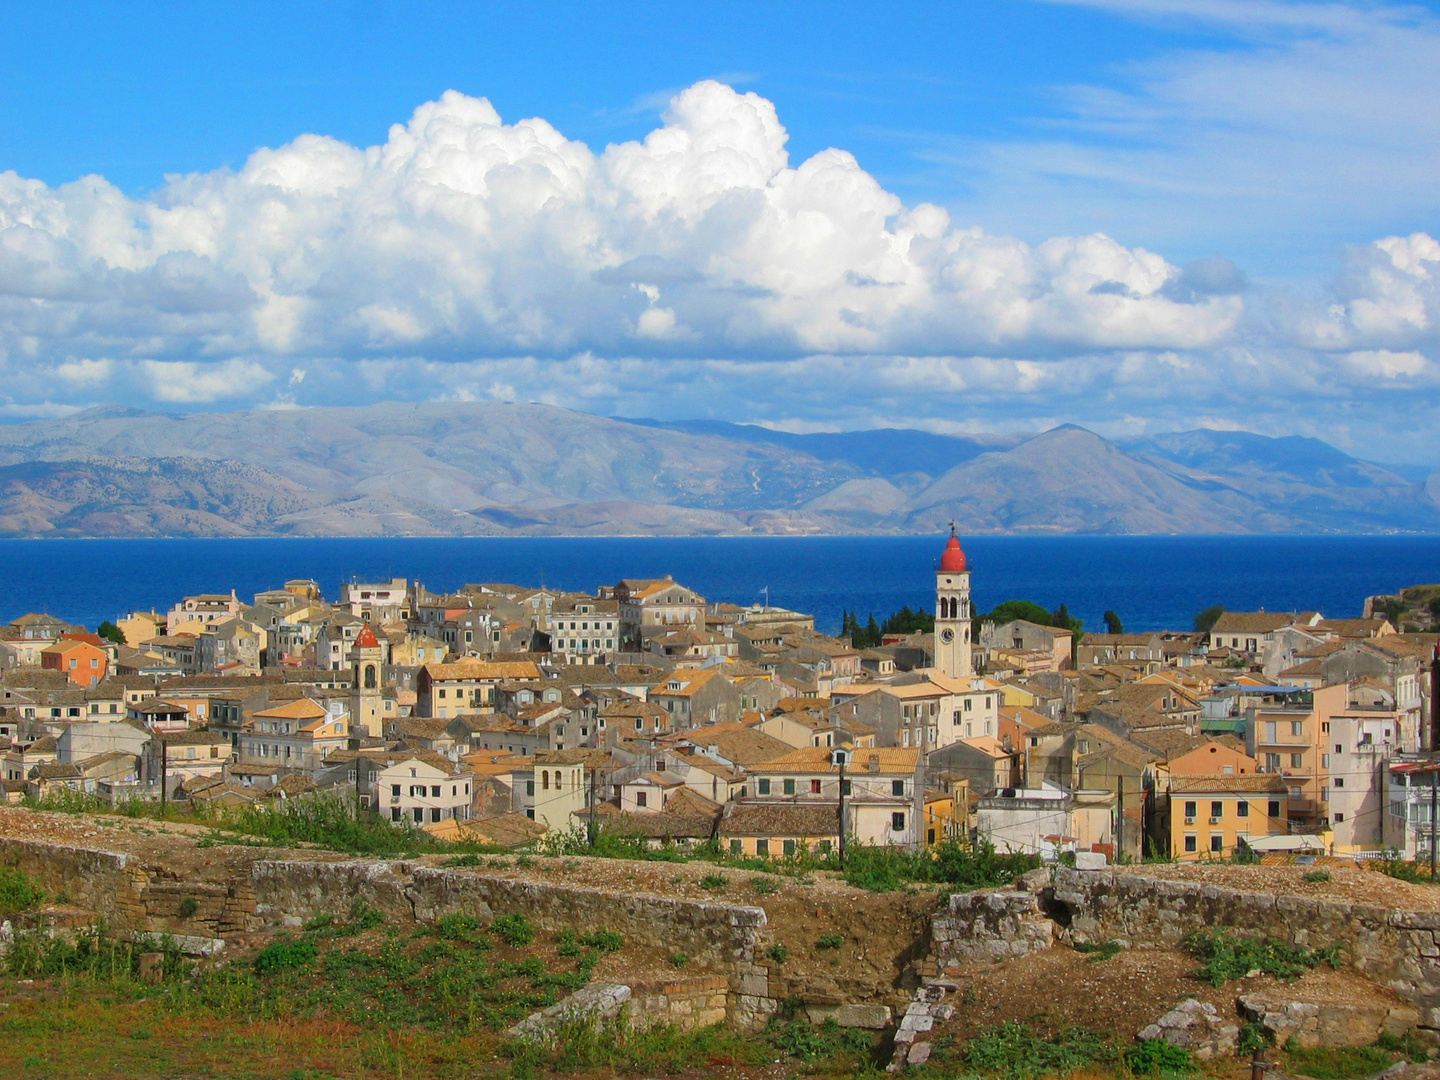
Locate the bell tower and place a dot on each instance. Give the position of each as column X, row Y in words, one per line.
column 367, row 704
column 952, row 611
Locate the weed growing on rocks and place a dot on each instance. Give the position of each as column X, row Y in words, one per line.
column 1226, row 957
column 18, row 892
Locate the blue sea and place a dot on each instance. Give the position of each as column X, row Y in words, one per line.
column 1152, row 582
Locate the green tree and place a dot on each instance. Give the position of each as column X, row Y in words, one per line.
column 110, row 632
column 1017, row 609
column 1206, row 620
column 906, row 621
column 872, row 632
column 1113, row 624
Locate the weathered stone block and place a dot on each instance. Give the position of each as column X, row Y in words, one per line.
column 873, row 1017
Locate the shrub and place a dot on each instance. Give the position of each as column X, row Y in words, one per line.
column 513, row 929
column 830, row 941
column 884, row 869
column 604, row 940
column 1253, row 1036
column 282, row 955
column 1014, row 1052
column 1392, row 864
column 1316, row 877
column 1157, row 1055
column 17, row 891
column 566, row 944
column 1226, row 956
column 801, row 1039
column 188, row 906
column 457, row 927
column 713, row 882
column 679, row 959
column 778, row 953
column 764, row 885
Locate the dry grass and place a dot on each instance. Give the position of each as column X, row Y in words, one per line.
column 59, row 1034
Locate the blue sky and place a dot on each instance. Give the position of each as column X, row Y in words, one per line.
column 1157, row 215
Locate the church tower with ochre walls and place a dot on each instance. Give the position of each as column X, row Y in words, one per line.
column 952, row 612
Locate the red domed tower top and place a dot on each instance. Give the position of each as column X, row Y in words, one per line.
column 368, row 640
column 953, row 561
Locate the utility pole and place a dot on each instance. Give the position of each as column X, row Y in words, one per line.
column 1433, row 790
column 840, row 758
column 924, row 734
column 1120, row 816
column 164, row 768
column 590, row 823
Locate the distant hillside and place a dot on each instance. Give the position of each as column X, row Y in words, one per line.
column 485, row 468
column 881, row 451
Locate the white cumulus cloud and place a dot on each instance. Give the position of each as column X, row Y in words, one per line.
column 462, row 234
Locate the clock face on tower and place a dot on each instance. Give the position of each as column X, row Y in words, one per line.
column 947, row 635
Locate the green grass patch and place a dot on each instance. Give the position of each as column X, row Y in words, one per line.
column 584, row 1043
column 604, row 940
column 1226, row 957
column 282, row 955
column 1015, row 1052
column 1098, row 950
column 18, row 892
column 809, row 1042
column 1150, row 1057
column 713, row 882
column 1338, row 1062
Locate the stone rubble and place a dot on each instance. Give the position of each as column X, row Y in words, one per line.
column 1196, row 1026
column 927, row 1008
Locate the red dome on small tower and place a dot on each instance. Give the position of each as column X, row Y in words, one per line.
column 953, row 561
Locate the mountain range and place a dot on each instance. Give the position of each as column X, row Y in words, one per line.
column 488, row 468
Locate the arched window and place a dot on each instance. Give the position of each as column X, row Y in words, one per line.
column 545, row 779
column 369, row 676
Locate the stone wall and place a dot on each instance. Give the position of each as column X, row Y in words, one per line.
column 98, row 881
column 134, row 898
column 693, row 1002
column 985, row 927
column 1397, row 949
column 718, row 937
